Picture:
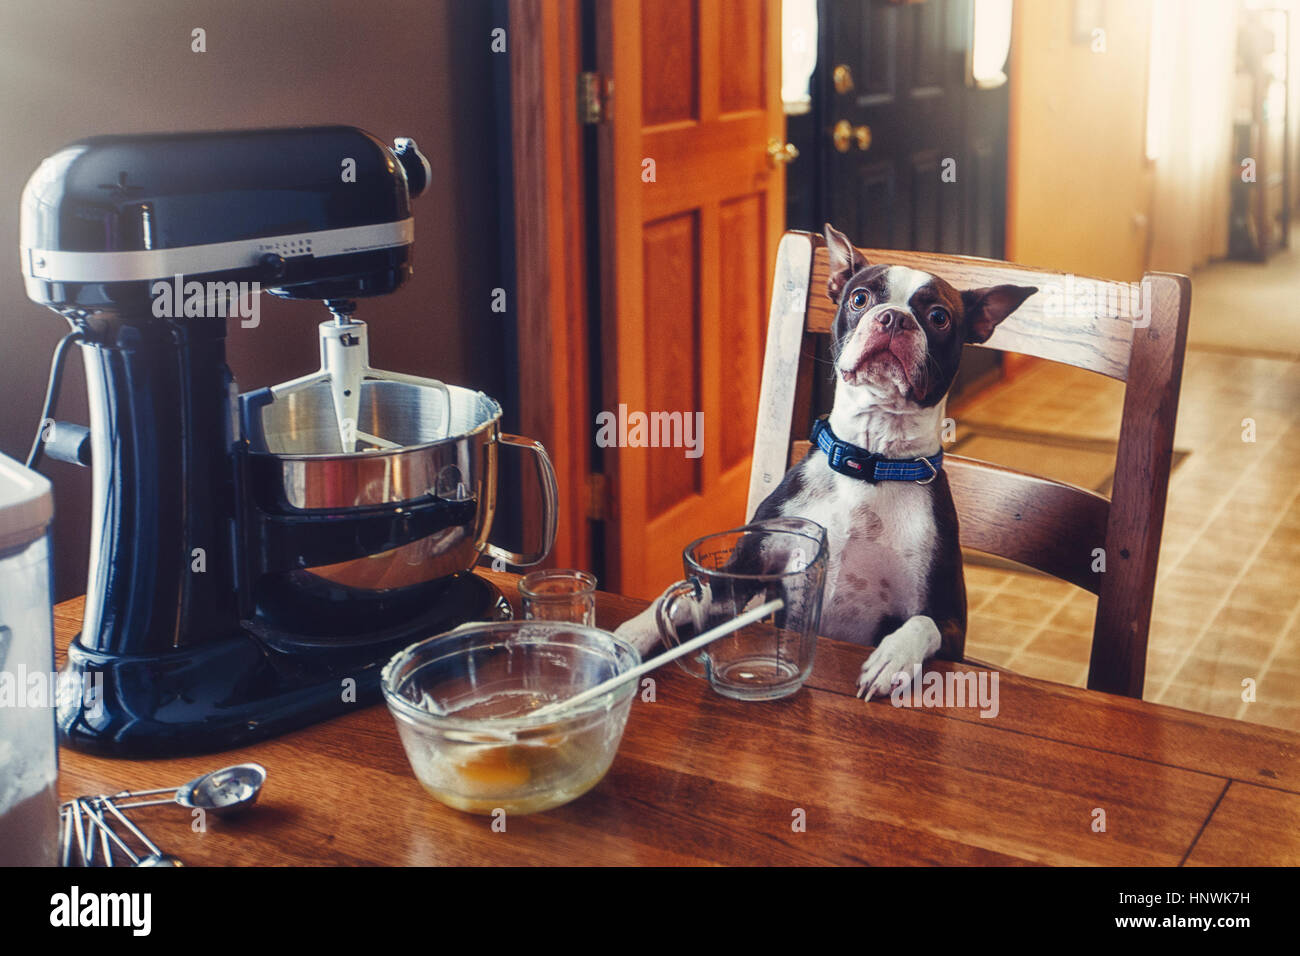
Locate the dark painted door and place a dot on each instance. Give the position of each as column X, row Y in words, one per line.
column 902, row 152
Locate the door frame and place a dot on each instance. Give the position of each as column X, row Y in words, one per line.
column 544, row 40
column 612, row 35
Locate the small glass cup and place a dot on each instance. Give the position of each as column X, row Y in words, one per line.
column 559, row 594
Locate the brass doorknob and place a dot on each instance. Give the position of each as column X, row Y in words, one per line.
column 842, row 77
column 779, row 153
column 845, row 134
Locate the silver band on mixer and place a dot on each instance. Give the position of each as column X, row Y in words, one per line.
column 54, row 265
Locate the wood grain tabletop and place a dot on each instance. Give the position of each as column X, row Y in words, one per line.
column 818, row 778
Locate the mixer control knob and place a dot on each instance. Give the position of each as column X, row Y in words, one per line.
column 418, row 170
column 272, row 266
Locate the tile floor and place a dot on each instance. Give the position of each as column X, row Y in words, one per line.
column 1227, row 604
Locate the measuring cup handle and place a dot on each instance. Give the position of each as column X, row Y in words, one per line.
column 550, row 504
column 670, row 608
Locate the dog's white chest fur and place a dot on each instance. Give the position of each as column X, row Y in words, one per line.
column 881, row 540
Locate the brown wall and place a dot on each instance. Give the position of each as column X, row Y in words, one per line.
column 419, row 68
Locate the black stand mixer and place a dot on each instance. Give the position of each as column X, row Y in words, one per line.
column 255, row 559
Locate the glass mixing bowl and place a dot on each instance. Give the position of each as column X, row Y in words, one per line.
column 463, row 702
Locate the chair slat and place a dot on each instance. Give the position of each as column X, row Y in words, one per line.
column 1137, row 512
column 781, row 365
column 1043, row 524
column 1046, row 325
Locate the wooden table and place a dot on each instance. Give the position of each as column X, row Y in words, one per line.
column 702, row 779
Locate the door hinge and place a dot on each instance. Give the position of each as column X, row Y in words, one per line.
column 593, row 105
column 597, row 497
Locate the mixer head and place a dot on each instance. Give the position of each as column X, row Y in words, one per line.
column 307, row 213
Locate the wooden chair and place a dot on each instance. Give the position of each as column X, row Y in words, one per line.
column 1044, row 524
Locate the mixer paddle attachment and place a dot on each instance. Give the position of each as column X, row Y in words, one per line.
column 344, row 365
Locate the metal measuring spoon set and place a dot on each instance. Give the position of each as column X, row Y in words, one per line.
column 86, row 822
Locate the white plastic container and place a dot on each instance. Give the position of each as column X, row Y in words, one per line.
column 29, row 756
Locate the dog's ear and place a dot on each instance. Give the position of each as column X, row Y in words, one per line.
column 985, row 308
column 845, row 260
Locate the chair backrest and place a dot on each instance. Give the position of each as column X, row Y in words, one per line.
column 1044, row 524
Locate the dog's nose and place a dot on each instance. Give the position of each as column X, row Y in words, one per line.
column 889, row 319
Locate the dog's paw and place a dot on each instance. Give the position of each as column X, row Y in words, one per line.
column 890, row 665
column 642, row 631
column 898, row 656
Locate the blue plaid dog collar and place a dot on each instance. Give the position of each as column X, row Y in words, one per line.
column 859, row 463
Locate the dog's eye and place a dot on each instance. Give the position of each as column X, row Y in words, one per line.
column 859, row 299
column 939, row 318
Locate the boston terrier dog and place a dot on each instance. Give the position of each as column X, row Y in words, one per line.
column 874, row 476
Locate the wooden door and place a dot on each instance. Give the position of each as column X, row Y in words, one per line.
column 691, row 210
column 899, row 71
column 930, row 172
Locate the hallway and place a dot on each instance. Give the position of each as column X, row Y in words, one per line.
column 1249, row 307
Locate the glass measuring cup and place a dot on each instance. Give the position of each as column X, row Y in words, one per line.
column 732, row 571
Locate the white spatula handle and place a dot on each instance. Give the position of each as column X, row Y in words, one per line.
column 694, row 644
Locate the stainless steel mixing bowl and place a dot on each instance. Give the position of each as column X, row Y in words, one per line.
column 417, row 439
